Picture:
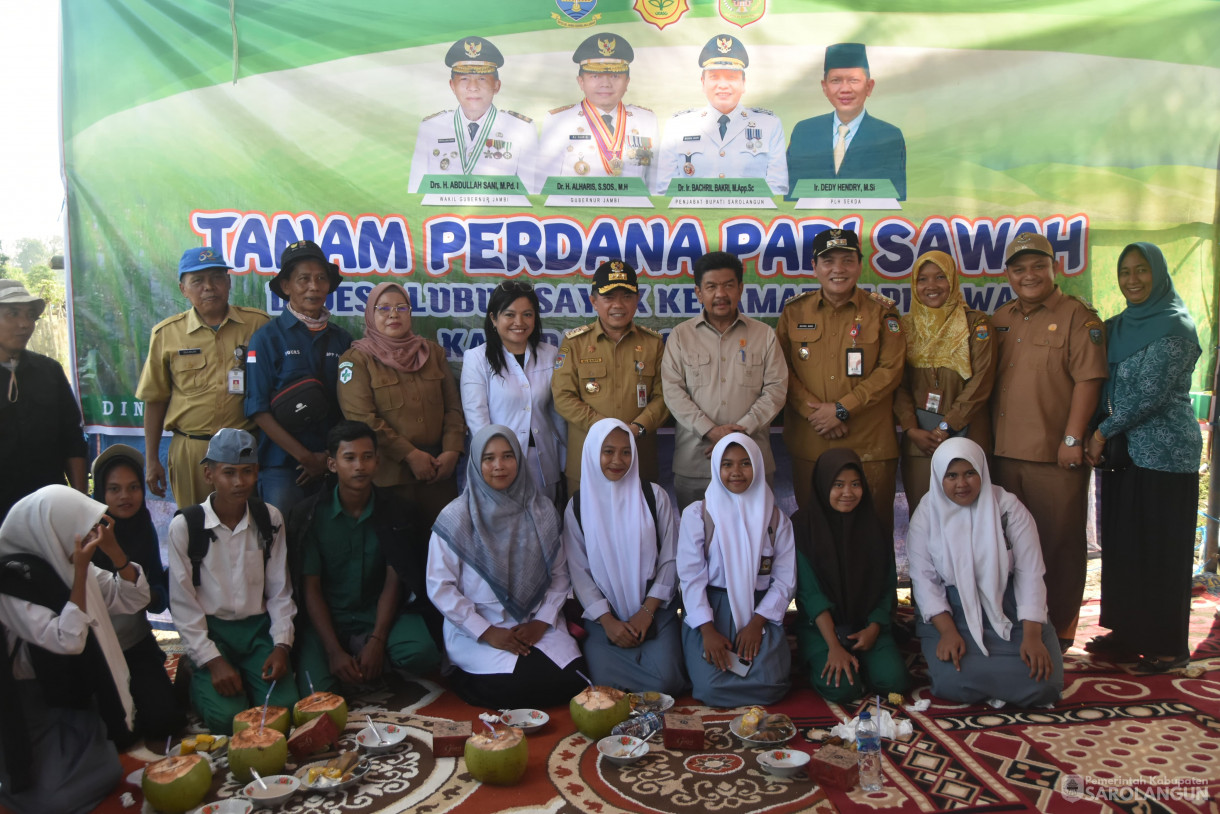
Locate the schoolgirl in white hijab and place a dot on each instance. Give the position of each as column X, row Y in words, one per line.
column 977, row 570
column 70, row 764
column 737, row 585
column 622, row 563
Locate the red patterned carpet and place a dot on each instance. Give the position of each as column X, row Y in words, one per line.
column 1116, row 742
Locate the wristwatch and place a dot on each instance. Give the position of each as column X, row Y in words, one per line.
column 642, row 432
column 944, row 427
column 1070, row 440
column 841, row 412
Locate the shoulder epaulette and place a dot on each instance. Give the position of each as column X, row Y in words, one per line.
column 170, row 321
column 648, row 330
column 434, row 115
column 684, row 112
column 640, row 107
column 800, row 296
column 517, row 115
column 1084, row 302
column 885, row 301
column 762, row 110
column 562, row 109
column 577, row 331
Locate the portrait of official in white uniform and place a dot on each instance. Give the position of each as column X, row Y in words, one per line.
column 477, row 138
column 724, row 139
column 600, row 136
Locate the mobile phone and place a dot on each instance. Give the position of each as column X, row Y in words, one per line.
column 738, row 665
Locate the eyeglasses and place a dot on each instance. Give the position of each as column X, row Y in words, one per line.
column 386, row 310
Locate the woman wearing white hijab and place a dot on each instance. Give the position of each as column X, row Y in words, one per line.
column 976, row 573
column 737, row 568
column 621, row 559
column 497, row 572
column 63, row 678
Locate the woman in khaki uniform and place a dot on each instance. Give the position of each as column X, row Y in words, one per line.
column 400, row 384
column 949, row 372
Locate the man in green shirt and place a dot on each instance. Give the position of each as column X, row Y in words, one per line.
column 360, row 571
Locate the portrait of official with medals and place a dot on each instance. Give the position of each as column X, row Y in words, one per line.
column 477, row 138
column 723, row 139
column 600, row 136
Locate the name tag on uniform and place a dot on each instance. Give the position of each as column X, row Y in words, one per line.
column 641, row 395
column 575, row 137
column 692, row 138
column 932, row 405
column 237, row 382
column 189, row 351
column 764, row 566
column 446, row 140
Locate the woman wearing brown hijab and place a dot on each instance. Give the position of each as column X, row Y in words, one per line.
column 400, row 384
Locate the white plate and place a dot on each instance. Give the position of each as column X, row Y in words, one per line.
column 640, row 705
column 279, row 788
column 391, row 736
column 783, row 762
column 527, row 720
column 615, row 749
column 326, row 785
column 735, row 728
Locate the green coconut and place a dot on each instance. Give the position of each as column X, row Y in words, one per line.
column 313, row 705
column 265, row 750
column 277, row 718
column 177, row 784
column 497, row 758
column 597, row 710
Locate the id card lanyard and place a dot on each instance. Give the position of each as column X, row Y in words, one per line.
column 641, row 389
column 237, row 373
column 855, row 355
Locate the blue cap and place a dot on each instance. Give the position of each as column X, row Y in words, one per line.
column 231, row 446
column 201, row 258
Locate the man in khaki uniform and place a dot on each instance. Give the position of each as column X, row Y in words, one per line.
column 723, row 372
column 1052, row 364
column 611, row 369
column 193, row 382
column 845, row 351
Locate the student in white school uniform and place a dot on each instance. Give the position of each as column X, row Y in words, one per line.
column 497, row 572
column 977, row 577
column 737, row 585
column 621, row 551
column 236, row 618
column 507, row 381
column 63, row 679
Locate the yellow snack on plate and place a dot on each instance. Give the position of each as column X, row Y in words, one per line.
column 188, row 746
column 751, row 720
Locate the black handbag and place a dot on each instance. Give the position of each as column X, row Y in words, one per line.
column 1114, row 453
column 300, row 404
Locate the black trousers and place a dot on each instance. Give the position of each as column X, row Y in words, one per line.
column 535, row 683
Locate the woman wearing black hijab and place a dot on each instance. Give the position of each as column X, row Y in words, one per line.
column 845, row 585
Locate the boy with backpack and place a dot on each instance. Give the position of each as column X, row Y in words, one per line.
column 230, row 595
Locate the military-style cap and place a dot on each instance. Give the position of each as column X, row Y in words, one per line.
column 296, row 252
column 846, row 55
column 1028, row 242
column 828, row 240
column 474, row 55
column 230, row 446
column 614, row 274
column 724, row 52
column 604, row 53
column 198, row 259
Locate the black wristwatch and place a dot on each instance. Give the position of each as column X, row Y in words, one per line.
column 642, row 431
column 841, row 412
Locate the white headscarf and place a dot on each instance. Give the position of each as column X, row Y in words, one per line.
column 620, row 535
column 741, row 525
column 971, row 538
column 46, row 525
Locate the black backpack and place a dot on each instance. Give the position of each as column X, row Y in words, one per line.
column 199, row 539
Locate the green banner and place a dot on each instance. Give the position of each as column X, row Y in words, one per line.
column 379, row 131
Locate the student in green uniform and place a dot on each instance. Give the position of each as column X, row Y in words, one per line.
column 233, row 608
column 845, row 584
column 362, row 572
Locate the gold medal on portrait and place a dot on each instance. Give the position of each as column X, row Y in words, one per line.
column 444, row 163
column 593, row 387
column 616, row 166
column 581, row 167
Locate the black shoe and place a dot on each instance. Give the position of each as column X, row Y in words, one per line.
column 1153, row 666
column 1110, row 648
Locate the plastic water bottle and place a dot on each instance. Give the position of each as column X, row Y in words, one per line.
column 868, row 753
column 641, row 726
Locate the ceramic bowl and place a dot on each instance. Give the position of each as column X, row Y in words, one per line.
column 618, row 749
column 392, row 735
column 783, row 762
column 327, row 785
column 527, row 720
column 231, row 806
column 279, row 788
